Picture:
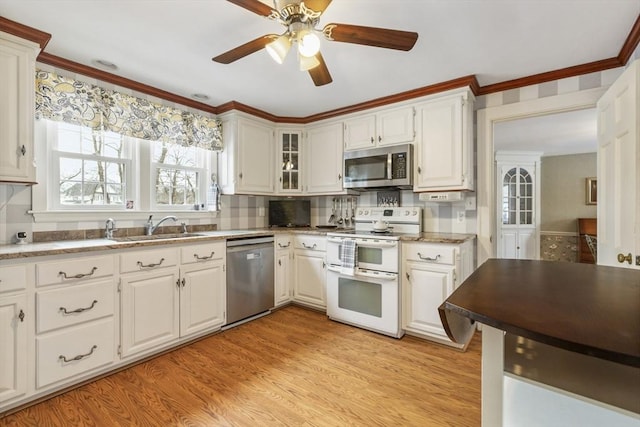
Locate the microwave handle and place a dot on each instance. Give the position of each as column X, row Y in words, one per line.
column 389, row 169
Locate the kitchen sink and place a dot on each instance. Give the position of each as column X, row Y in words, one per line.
column 155, row 237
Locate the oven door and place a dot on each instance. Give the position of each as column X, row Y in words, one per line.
column 373, row 254
column 368, row 299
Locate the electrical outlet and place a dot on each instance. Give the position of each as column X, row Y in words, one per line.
column 261, row 211
column 461, row 216
column 637, row 259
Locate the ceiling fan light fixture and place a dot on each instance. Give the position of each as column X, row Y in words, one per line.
column 308, row 44
column 279, row 48
column 308, row 62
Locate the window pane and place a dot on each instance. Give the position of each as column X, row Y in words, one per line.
column 172, row 154
column 112, row 145
column 70, row 192
column 93, row 170
column 70, row 169
column 114, row 173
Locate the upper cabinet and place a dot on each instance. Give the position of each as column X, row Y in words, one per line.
column 323, row 165
column 17, row 106
column 444, row 149
column 388, row 127
column 288, row 161
column 246, row 166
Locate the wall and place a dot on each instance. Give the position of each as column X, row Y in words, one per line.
column 563, row 191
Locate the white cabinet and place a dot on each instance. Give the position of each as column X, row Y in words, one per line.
column 283, row 273
column 444, row 159
column 75, row 318
column 246, row 166
column 518, row 191
column 13, row 350
column 150, row 300
column 289, row 162
column 387, row 127
column 17, row 106
column 202, row 288
column 324, row 163
column 431, row 273
column 310, row 271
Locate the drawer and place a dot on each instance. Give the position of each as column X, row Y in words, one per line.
column 148, row 260
column 84, row 347
column 203, row 252
column 284, row 242
column 74, row 304
column 74, row 269
column 433, row 253
column 314, row 243
column 13, row 278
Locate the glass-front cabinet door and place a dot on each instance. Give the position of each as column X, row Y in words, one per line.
column 517, row 196
column 289, row 157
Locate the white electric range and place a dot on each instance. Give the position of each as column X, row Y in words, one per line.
column 367, row 294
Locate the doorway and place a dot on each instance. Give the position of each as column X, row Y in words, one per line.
column 487, row 120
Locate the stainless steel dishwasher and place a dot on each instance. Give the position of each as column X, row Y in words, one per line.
column 250, row 275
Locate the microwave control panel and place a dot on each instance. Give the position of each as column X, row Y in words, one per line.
column 398, row 165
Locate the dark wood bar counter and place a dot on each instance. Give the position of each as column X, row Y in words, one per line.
column 588, row 309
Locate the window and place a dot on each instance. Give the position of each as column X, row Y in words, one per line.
column 176, row 175
column 89, row 168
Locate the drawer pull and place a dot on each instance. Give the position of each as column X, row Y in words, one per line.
column 78, row 357
column 140, row 264
column 201, row 258
column 79, row 310
column 285, row 246
column 427, row 258
column 309, row 247
column 78, row 276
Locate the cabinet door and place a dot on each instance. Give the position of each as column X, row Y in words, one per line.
column 17, row 89
column 288, row 163
column 283, row 277
column 150, row 310
column 440, row 152
column 426, row 286
column 202, row 297
column 360, row 132
column 13, row 348
column 395, row 126
column 255, row 168
column 309, row 279
column 324, row 161
column 526, row 243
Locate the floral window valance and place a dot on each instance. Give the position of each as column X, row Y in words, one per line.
column 63, row 99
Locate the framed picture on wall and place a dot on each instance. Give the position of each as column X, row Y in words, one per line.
column 592, row 190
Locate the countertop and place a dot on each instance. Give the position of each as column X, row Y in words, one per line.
column 88, row 245
column 588, row 309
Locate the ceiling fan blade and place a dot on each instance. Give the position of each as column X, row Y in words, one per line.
column 254, row 6
column 371, row 36
column 317, row 5
column 245, row 49
column 320, row 74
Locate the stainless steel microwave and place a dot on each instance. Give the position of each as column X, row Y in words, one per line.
column 381, row 167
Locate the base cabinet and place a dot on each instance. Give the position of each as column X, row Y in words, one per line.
column 13, row 346
column 310, row 271
column 431, row 272
column 202, row 297
column 283, row 267
column 150, row 310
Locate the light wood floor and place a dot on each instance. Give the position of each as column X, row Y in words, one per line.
column 291, row 368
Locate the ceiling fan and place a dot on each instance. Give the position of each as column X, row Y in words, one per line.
column 300, row 17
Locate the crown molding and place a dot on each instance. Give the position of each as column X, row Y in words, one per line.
column 85, row 70
column 25, row 32
column 42, row 38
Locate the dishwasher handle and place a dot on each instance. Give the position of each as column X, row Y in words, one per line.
column 249, row 241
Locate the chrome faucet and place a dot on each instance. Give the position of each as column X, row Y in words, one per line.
column 149, row 228
column 109, row 228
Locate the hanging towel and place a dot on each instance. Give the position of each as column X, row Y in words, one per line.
column 349, row 257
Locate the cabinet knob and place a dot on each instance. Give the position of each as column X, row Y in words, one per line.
column 372, row 140
column 280, row 262
column 23, row 150
column 21, row 315
column 339, row 177
column 622, row 258
column 379, row 138
column 240, row 175
column 419, row 169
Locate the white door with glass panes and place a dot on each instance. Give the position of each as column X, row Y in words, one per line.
column 288, row 164
column 518, row 198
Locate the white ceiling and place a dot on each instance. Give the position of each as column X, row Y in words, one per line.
column 169, row 44
column 558, row 134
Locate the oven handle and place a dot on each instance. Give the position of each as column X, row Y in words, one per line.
column 366, row 243
column 360, row 273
